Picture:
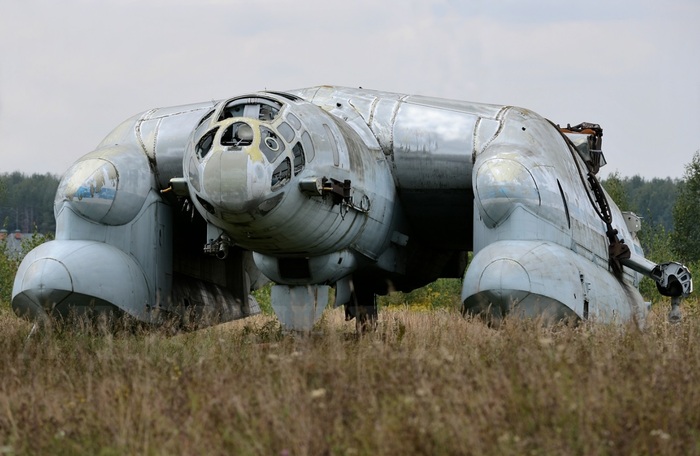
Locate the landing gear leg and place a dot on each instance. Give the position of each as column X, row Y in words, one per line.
column 675, row 316
column 363, row 308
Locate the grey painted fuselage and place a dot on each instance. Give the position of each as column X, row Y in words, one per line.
column 181, row 212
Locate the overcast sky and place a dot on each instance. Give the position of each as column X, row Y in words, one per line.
column 70, row 71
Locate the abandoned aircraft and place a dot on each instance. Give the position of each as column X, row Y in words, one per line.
column 180, row 212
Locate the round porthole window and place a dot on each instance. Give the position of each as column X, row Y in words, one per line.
column 272, row 144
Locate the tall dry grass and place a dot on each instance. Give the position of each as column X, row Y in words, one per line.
column 424, row 383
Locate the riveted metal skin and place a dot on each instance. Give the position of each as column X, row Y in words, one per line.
column 180, row 212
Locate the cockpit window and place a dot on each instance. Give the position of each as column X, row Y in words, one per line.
column 292, row 119
column 282, row 174
column 259, row 108
column 235, row 110
column 267, row 112
column 286, row 131
column 270, row 144
column 206, row 116
column 204, row 144
column 238, row 134
column 308, row 146
column 203, row 126
column 298, row 153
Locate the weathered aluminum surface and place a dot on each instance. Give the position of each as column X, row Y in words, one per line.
column 113, row 252
column 299, row 307
column 366, row 189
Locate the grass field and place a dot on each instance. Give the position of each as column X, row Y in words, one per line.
column 425, row 383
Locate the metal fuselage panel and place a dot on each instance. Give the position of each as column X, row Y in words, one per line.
column 280, row 219
column 326, row 184
column 432, row 145
column 429, row 143
column 539, row 241
column 528, row 165
column 528, row 184
column 114, row 250
column 161, row 134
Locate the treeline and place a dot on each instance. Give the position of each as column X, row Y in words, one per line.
column 653, row 200
column 671, row 209
column 26, row 202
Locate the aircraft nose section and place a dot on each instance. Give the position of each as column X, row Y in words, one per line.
column 494, row 290
column 234, row 181
column 61, row 278
column 45, row 283
column 527, row 279
column 506, row 281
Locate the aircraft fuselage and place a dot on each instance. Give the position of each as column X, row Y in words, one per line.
column 363, row 190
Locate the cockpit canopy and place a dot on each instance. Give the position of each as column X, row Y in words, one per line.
column 264, row 109
column 258, row 126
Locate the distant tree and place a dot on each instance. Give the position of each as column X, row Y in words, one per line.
column 26, row 202
column 615, row 187
column 685, row 239
column 656, row 242
column 652, row 200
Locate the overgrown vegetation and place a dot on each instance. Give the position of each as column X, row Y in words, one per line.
column 651, row 199
column 428, row 382
column 424, row 383
column 685, row 238
column 27, row 201
column 670, row 212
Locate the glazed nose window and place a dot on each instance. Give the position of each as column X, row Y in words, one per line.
column 270, row 144
column 252, row 107
column 204, row 144
column 96, row 190
column 282, row 174
column 237, row 135
column 298, row 154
